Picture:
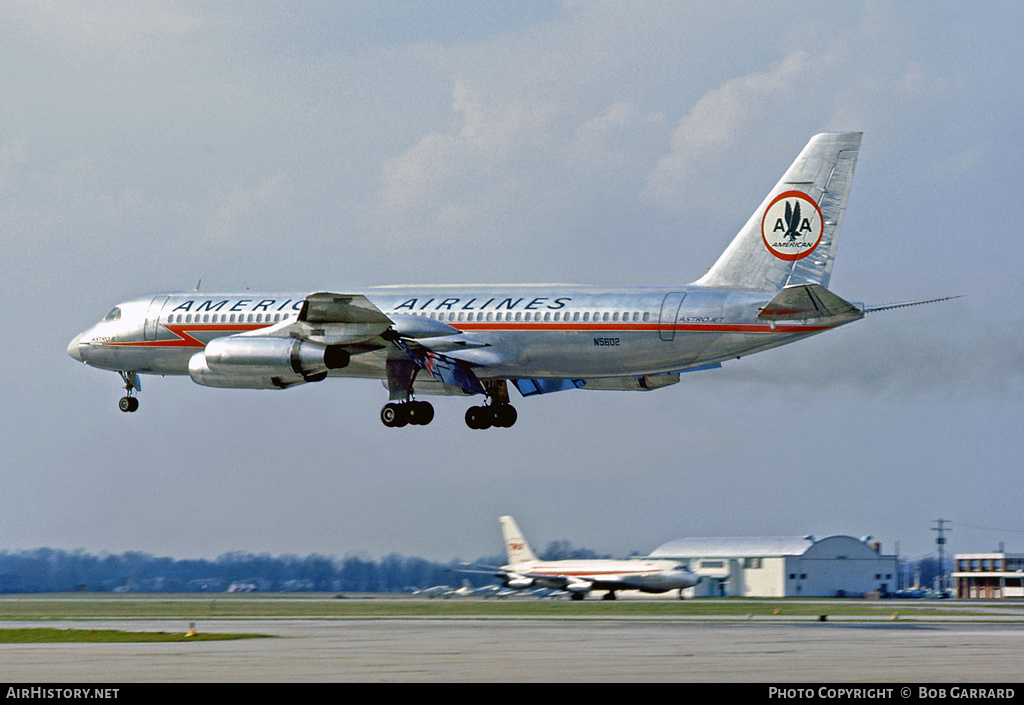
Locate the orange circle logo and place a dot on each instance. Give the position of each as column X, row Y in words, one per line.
column 792, row 226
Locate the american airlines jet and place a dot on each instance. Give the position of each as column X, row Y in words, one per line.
column 768, row 288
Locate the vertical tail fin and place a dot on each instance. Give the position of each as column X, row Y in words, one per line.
column 791, row 238
column 516, row 548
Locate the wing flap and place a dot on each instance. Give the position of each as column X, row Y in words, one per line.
column 325, row 307
column 336, row 319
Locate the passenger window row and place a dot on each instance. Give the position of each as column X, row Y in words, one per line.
column 227, row 318
column 544, row 316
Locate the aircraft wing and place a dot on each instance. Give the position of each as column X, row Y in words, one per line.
column 474, row 569
column 560, row 582
column 353, row 322
column 331, row 319
column 521, row 580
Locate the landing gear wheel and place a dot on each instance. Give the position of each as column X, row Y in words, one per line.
column 576, row 596
column 131, row 384
column 420, row 412
column 504, row 415
column 497, row 415
column 479, row 417
column 394, row 415
column 610, row 595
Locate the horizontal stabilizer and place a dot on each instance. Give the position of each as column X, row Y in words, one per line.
column 806, row 301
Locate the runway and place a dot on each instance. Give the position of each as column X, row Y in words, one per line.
column 531, row 650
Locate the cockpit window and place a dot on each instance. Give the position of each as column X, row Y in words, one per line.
column 113, row 315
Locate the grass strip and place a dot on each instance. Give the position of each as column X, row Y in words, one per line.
column 43, row 635
column 37, row 608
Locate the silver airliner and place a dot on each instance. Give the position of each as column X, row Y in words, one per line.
column 580, row 576
column 768, row 288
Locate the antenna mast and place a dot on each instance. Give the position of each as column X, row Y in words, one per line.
column 940, row 541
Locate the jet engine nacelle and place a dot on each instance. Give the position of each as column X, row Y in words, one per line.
column 202, row 374
column 273, row 356
column 264, row 363
column 519, row 583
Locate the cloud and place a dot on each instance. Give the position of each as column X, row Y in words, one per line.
column 723, row 115
column 236, row 215
column 451, row 178
column 122, row 29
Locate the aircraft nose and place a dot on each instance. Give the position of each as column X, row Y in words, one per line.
column 73, row 349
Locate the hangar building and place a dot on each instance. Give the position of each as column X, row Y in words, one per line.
column 785, row 566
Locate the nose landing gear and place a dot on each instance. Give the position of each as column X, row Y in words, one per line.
column 129, row 402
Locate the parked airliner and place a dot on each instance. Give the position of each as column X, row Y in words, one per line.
column 579, row 576
column 767, row 289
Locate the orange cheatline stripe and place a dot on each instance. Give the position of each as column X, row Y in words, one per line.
column 185, row 340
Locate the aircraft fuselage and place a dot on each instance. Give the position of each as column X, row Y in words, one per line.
column 543, row 332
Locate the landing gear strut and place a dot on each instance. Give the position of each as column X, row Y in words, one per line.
column 129, row 402
column 403, row 410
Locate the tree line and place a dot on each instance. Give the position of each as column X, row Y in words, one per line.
column 56, row 570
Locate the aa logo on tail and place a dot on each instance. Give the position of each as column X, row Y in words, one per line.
column 792, row 226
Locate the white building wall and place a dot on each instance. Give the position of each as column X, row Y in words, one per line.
column 813, row 569
column 767, row 581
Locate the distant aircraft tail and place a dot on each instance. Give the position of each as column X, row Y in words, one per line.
column 516, row 548
column 791, row 238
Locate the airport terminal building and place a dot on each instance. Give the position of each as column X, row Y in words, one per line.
column 785, row 566
column 989, row 575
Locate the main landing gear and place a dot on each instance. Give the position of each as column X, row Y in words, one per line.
column 415, row 413
column 496, row 411
column 501, row 415
column 129, row 402
column 402, row 410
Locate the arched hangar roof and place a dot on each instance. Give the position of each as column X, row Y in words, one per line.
column 764, row 546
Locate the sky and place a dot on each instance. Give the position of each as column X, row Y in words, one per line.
column 340, row 145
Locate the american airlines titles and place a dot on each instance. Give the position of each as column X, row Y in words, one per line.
column 415, row 304
column 240, row 305
column 449, row 304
